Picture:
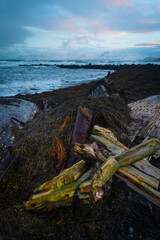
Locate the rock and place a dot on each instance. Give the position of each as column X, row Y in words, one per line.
column 13, row 112
column 131, row 230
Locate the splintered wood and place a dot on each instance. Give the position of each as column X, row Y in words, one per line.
column 145, row 116
column 130, row 165
column 81, row 181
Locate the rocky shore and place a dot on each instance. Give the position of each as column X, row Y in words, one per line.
column 121, row 214
column 148, row 66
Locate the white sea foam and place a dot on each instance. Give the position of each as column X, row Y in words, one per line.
column 16, row 79
column 45, row 76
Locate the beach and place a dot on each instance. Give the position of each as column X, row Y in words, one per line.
column 80, row 120
column 122, row 213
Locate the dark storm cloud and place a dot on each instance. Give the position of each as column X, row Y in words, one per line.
column 16, row 14
column 77, row 22
column 116, row 15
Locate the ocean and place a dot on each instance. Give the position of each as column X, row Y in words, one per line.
column 27, row 79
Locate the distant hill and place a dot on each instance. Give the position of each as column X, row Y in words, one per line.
column 151, row 59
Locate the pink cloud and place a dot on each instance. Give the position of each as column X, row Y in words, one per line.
column 95, row 23
column 117, row 3
column 148, row 44
column 72, row 25
column 150, row 21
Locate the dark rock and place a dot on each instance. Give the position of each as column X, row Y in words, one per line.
column 13, row 112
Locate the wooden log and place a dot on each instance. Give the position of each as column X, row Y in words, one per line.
column 84, row 151
column 106, row 171
column 64, row 195
column 88, row 189
column 131, row 155
column 139, row 186
column 53, row 198
column 89, row 152
column 109, row 136
column 59, row 196
column 142, row 165
column 146, row 167
column 142, row 175
column 139, row 180
column 138, row 152
column 66, row 176
column 151, row 181
column 60, row 191
column 109, row 145
column 80, row 133
column 100, row 157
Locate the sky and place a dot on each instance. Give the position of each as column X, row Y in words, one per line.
column 71, row 29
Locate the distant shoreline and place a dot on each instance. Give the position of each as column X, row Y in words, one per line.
column 97, row 66
column 111, row 66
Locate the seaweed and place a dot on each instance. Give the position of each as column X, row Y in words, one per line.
column 116, row 212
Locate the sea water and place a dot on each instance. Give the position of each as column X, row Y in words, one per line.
column 16, row 79
column 21, row 77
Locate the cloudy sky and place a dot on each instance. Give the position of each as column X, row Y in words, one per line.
column 70, row 29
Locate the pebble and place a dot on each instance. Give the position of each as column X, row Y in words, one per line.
column 130, row 236
column 131, row 230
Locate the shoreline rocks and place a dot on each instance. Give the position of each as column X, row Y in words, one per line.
column 111, row 66
column 13, row 112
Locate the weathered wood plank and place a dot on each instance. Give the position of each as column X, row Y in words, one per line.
column 146, row 118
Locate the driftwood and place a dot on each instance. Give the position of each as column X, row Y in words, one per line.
column 80, row 181
column 80, row 133
column 116, row 147
column 146, row 118
column 88, row 185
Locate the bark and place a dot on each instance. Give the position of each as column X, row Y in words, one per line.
column 138, row 152
column 80, row 133
column 139, row 186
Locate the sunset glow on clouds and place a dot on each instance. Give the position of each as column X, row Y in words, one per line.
column 32, row 27
column 117, row 3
